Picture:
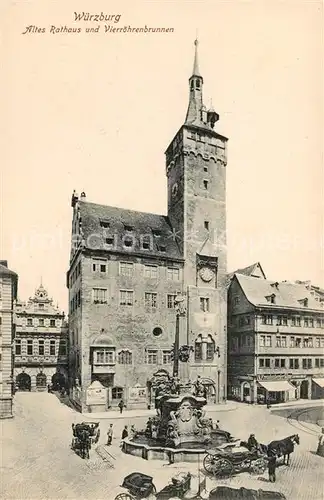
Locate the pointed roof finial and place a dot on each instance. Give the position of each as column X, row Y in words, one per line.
column 195, row 71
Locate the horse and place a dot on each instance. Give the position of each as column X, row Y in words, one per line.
column 85, row 444
column 283, row 447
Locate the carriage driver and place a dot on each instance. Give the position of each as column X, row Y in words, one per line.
column 253, row 444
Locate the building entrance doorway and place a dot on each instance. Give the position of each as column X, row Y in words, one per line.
column 304, row 389
column 23, row 382
column 41, row 381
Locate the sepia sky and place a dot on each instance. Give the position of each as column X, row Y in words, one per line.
column 96, row 111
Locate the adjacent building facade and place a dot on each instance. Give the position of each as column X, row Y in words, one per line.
column 41, row 343
column 127, row 267
column 275, row 338
column 8, row 294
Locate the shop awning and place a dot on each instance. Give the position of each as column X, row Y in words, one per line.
column 319, row 381
column 277, row 385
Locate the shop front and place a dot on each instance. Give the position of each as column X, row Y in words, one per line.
column 276, row 391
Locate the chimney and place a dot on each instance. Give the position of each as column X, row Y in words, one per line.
column 4, row 263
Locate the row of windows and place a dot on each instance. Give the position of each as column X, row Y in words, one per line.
column 126, row 298
column 40, row 322
column 291, row 363
column 127, row 269
column 282, row 341
column 268, row 319
column 153, row 357
column 76, row 273
column 39, row 348
column 76, row 301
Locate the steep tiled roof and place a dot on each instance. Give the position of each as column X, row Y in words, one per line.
column 122, row 225
column 290, row 295
column 246, row 271
column 4, row 271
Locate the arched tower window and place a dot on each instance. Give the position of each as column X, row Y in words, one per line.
column 192, row 85
column 198, row 348
column 125, row 357
column 198, row 84
column 210, row 351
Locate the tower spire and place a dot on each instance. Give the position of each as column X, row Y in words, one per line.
column 195, row 107
column 195, row 71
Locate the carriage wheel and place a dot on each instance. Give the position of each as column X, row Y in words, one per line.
column 208, row 463
column 124, row 496
column 223, row 467
column 259, row 466
column 153, row 489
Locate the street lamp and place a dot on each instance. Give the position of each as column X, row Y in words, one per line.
column 179, row 305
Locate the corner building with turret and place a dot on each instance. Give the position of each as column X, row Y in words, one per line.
column 127, row 267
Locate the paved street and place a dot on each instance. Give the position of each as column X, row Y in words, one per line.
column 37, row 462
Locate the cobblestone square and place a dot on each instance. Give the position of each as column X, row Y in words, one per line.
column 38, row 463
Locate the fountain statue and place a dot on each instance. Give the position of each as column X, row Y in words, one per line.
column 180, row 431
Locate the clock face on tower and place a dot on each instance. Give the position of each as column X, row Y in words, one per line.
column 206, row 274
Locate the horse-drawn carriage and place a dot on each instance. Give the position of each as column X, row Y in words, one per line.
column 227, row 460
column 84, row 435
column 139, row 486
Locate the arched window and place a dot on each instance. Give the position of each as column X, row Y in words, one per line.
column 125, row 357
column 192, row 85
column 210, row 351
column 197, row 84
column 198, row 348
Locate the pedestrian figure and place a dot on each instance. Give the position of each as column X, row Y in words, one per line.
column 121, row 405
column 132, row 432
column 272, row 464
column 320, row 446
column 110, row 435
column 125, row 432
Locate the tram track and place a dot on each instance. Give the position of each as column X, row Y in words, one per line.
column 294, row 420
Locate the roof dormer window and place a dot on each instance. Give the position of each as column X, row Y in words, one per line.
column 105, row 224
column 162, row 248
column 156, row 232
column 128, row 242
column 271, row 298
column 128, row 228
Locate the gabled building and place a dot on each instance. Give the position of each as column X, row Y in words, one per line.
column 41, row 343
column 8, row 294
column 275, row 340
column 127, row 267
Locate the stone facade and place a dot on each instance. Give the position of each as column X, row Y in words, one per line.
column 40, row 343
column 127, row 267
column 8, row 293
column 275, row 340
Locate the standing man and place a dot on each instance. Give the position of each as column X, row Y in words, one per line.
column 320, row 446
column 272, row 464
column 121, row 405
column 125, row 432
column 110, row 435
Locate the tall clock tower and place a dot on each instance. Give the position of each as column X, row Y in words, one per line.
column 196, row 171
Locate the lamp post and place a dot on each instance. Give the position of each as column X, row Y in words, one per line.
column 180, row 311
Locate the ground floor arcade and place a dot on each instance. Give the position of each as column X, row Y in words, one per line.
column 36, row 378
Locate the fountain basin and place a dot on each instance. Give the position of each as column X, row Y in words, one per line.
column 149, row 449
column 173, row 455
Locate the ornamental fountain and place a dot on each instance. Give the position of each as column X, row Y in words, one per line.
column 180, row 432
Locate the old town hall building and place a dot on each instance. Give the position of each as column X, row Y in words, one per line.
column 127, row 267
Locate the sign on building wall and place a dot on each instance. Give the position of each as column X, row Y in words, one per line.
column 137, row 393
column 96, row 394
